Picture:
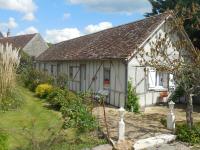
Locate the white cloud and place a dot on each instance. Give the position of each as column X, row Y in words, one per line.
column 27, row 7
column 58, row 35
column 66, row 16
column 115, row 6
column 95, row 28
column 11, row 24
column 29, row 17
column 29, row 30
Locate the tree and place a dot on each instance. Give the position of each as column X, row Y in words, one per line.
column 188, row 9
column 177, row 57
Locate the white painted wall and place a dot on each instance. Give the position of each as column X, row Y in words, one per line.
column 139, row 75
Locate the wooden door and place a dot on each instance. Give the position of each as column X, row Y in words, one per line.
column 83, row 77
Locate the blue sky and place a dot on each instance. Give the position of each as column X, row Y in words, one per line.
column 59, row 20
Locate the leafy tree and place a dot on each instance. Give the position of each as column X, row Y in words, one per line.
column 188, row 9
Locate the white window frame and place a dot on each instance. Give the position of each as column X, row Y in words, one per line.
column 153, row 75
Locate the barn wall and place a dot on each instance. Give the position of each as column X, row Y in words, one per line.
column 94, row 80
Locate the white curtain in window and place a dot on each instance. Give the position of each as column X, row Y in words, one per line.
column 171, row 81
column 165, row 80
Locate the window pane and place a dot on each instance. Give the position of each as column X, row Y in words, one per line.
column 161, row 79
column 106, row 77
column 70, row 72
column 58, row 69
column 152, row 78
column 52, row 69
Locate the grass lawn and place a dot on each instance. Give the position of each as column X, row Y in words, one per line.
column 34, row 120
column 31, row 117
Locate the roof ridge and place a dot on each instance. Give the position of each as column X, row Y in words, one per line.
column 118, row 26
column 19, row 35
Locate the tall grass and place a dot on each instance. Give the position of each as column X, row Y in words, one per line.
column 9, row 61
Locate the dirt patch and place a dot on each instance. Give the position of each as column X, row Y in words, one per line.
column 179, row 112
column 143, row 125
column 138, row 126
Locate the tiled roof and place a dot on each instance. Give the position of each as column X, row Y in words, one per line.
column 114, row 43
column 17, row 41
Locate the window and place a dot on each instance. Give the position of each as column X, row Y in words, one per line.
column 58, row 69
column 52, row 69
column 152, row 78
column 158, row 80
column 44, row 69
column 83, row 71
column 71, row 72
column 39, row 66
column 106, row 81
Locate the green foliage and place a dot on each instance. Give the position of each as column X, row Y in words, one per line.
column 133, row 100
column 185, row 134
column 32, row 78
column 189, row 9
column 87, row 99
column 26, row 62
column 61, row 81
column 3, row 141
column 179, row 92
column 12, row 101
column 43, row 90
column 77, row 114
column 57, row 97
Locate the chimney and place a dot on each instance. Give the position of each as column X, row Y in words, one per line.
column 8, row 33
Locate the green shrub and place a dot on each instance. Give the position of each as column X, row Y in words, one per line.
column 57, row 97
column 43, row 90
column 61, row 81
column 87, row 99
column 26, row 62
column 179, row 92
column 133, row 100
column 32, row 78
column 3, row 141
column 13, row 100
column 76, row 114
column 185, row 134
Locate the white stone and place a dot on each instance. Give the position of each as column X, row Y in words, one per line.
column 154, row 141
column 171, row 121
column 103, row 147
column 121, row 130
column 121, row 125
